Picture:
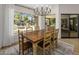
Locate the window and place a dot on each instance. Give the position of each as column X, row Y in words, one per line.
column 23, row 20
column 50, row 20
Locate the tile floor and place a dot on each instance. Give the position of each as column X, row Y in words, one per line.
column 74, row 42
column 63, row 49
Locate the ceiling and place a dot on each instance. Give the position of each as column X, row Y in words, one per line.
column 33, row 6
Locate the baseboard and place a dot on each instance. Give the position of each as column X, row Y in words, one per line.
column 5, row 47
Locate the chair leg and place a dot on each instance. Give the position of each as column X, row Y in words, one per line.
column 30, row 50
column 19, row 51
column 56, row 43
column 43, row 51
column 22, row 51
column 49, row 50
column 52, row 45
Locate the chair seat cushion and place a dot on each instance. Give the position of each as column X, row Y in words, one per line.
column 41, row 44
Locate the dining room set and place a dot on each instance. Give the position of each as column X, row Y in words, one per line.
column 38, row 42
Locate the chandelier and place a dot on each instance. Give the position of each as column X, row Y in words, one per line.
column 42, row 11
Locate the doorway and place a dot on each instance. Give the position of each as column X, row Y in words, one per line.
column 69, row 26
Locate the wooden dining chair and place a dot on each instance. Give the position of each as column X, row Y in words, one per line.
column 24, row 45
column 54, row 39
column 45, row 44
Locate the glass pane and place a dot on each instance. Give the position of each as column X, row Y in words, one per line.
column 73, row 25
column 69, row 26
column 64, row 25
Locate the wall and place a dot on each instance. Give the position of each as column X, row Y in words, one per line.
column 7, row 18
column 1, row 25
column 69, row 8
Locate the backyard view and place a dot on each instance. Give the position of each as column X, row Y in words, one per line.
column 23, row 21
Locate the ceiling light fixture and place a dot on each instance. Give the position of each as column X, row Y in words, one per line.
column 42, row 11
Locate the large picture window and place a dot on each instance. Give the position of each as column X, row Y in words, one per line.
column 23, row 21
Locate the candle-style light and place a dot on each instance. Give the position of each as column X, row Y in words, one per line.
column 42, row 11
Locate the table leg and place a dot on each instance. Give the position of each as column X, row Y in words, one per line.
column 34, row 48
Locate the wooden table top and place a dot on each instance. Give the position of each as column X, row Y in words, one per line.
column 35, row 36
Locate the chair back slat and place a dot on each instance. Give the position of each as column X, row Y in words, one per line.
column 21, row 41
column 47, row 38
column 56, row 33
column 20, row 36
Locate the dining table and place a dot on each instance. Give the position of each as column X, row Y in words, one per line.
column 35, row 37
